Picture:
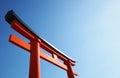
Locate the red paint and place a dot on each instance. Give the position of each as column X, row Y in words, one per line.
column 35, row 53
column 34, row 60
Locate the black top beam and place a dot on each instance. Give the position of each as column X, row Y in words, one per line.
column 11, row 15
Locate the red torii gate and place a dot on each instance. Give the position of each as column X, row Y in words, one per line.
column 34, row 46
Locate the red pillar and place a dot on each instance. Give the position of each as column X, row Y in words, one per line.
column 34, row 60
column 69, row 71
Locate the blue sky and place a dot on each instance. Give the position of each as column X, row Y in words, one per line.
column 86, row 30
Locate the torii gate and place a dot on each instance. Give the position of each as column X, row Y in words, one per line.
column 34, row 46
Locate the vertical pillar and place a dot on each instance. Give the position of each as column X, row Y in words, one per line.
column 34, row 71
column 69, row 71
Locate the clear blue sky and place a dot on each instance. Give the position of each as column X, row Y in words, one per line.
column 86, row 30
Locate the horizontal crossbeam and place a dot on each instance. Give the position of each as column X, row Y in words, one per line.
column 21, row 43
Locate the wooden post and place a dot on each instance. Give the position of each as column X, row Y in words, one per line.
column 34, row 60
column 69, row 71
